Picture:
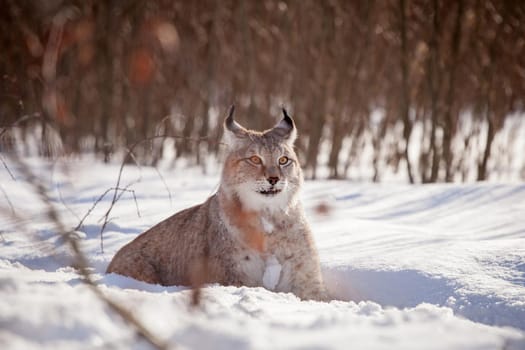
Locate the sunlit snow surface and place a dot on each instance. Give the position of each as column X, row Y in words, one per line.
column 409, row 267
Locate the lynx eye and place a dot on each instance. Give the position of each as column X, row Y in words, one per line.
column 284, row 160
column 255, row 160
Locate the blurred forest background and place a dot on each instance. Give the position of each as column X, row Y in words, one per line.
column 421, row 87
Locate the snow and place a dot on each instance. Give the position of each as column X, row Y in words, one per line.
column 409, row 267
column 272, row 272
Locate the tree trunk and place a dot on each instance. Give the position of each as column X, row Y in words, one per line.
column 449, row 118
column 405, row 93
column 482, row 167
column 105, row 78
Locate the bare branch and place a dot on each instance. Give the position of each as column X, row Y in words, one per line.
column 7, row 168
column 165, row 184
column 116, row 195
column 99, row 199
column 8, row 200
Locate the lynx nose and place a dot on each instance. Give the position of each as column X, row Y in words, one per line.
column 273, row 180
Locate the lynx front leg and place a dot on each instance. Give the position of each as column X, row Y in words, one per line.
column 229, row 272
column 307, row 282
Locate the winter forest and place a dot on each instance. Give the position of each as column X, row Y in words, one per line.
column 432, row 90
column 411, row 137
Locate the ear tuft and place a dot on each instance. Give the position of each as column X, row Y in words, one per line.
column 229, row 123
column 287, row 119
column 233, row 132
column 285, row 129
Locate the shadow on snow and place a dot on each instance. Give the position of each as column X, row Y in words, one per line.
column 409, row 288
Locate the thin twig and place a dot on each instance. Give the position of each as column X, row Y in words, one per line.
column 131, row 155
column 99, row 199
column 134, row 199
column 115, row 192
column 65, row 204
column 156, row 169
column 59, row 190
column 7, row 168
column 106, row 216
column 115, row 198
column 8, row 200
column 165, row 184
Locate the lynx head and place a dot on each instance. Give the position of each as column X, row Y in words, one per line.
column 261, row 169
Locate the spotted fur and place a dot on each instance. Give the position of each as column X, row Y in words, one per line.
column 254, row 217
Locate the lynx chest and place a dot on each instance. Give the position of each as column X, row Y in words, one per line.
column 266, row 264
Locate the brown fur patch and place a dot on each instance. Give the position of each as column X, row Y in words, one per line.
column 248, row 224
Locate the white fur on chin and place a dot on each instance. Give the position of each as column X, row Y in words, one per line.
column 251, row 199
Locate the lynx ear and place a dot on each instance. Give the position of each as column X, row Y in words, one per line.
column 233, row 131
column 285, row 129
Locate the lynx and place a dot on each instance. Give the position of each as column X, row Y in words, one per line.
column 251, row 232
